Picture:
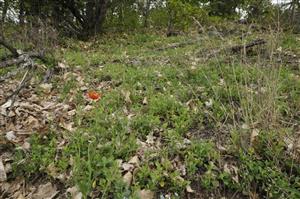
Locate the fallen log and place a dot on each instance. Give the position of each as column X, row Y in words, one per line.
column 239, row 48
column 4, row 43
column 21, row 58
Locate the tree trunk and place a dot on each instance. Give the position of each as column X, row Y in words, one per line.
column 21, row 12
column 101, row 10
column 90, row 18
column 295, row 8
column 35, row 9
column 146, row 11
column 95, row 15
column 4, row 10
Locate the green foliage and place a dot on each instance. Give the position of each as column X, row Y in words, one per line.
column 181, row 13
column 42, row 154
column 93, row 169
column 160, row 175
column 260, row 11
column 266, row 165
column 199, row 155
column 169, row 108
column 224, row 8
column 123, row 16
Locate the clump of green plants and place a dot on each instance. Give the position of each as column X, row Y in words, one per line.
column 266, row 168
column 175, row 112
column 42, row 154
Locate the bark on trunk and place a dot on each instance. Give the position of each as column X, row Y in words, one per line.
column 94, row 17
column 4, row 11
column 146, row 13
column 21, row 12
column 90, row 18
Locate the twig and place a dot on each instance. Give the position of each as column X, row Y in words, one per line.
column 48, row 75
column 198, row 24
column 28, row 63
column 26, row 59
column 25, row 79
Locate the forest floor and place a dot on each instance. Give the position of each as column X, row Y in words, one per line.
column 148, row 116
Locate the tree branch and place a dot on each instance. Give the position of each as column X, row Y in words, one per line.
column 4, row 43
column 21, row 59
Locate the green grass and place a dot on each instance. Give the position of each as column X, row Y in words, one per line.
column 206, row 102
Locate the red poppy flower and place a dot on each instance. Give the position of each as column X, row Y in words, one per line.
column 94, row 95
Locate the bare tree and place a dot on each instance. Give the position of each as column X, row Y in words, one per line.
column 89, row 16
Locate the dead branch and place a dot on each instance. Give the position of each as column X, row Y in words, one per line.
column 26, row 78
column 239, row 48
column 11, row 62
column 201, row 29
column 29, row 63
column 48, row 75
column 20, row 59
column 26, row 60
column 4, row 43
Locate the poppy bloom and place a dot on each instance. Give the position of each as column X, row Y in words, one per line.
column 94, row 95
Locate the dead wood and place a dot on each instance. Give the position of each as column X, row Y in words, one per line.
column 21, row 58
column 239, row 48
column 23, row 61
column 48, row 75
column 26, row 78
column 4, row 43
column 201, row 28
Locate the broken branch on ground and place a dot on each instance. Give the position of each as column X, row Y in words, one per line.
column 23, row 61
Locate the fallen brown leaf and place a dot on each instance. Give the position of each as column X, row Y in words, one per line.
column 75, row 194
column 127, row 178
column 134, row 160
column 45, row 191
column 254, row 134
column 127, row 167
column 145, row 101
column 46, row 87
column 146, row 194
column 189, row 189
column 3, row 176
column 127, row 96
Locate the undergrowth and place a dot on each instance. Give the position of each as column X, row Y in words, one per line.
column 217, row 125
